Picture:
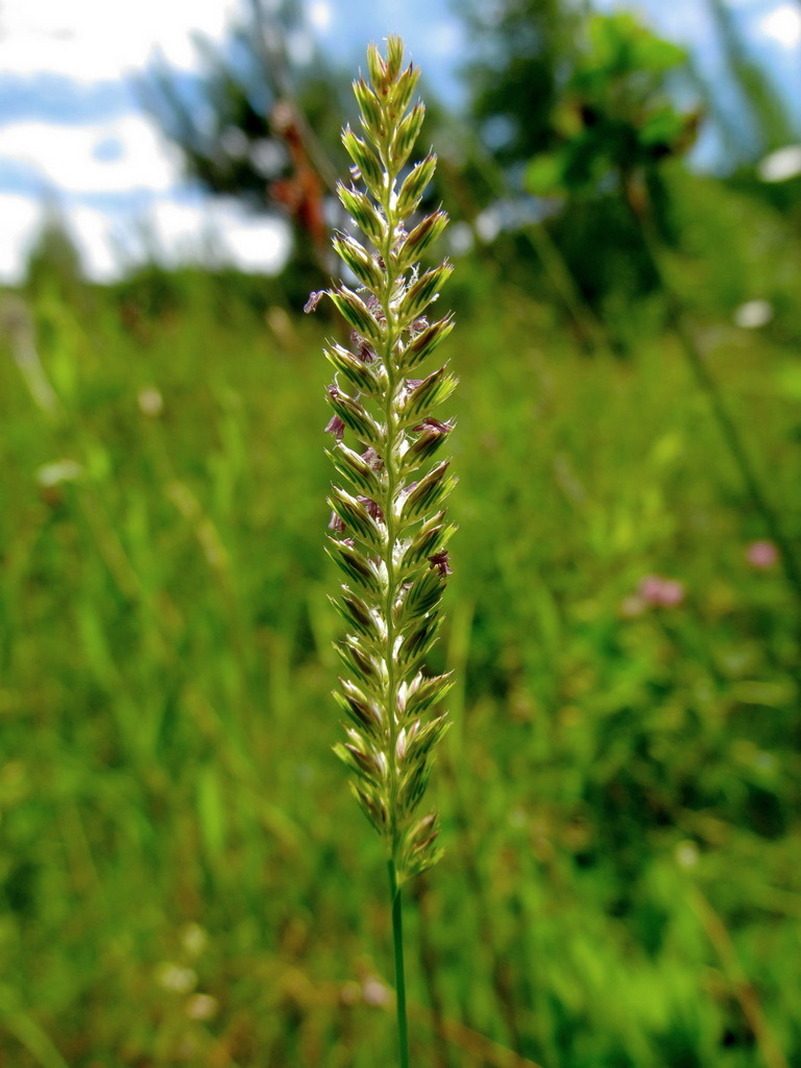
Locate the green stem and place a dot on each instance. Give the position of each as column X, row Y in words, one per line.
column 400, row 969
column 392, row 593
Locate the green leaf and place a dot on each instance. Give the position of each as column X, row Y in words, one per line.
column 665, row 127
column 211, row 811
column 545, row 174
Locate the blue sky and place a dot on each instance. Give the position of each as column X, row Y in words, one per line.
column 73, row 138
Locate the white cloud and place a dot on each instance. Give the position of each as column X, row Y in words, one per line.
column 215, row 232
column 783, row 24
column 92, row 231
column 89, row 41
column 445, row 39
column 320, row 15
column 173, row 233
column 94, row 234
column 261, row 246
column 112, row 157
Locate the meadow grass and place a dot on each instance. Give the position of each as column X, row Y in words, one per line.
column 184, row 880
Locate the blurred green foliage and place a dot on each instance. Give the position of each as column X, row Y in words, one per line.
column 53, row 262
column 256, row 128
column 224, row 125
column 184, row 877
column 520, row 50
column 569, row 122
column 613, row 117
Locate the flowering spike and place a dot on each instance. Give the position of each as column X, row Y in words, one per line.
column 407, row 132
column 427, row 394
column 426, row 341
column 377, row 68
column 363, row 265
column 424, row 291
column 394, row 57
column 412, row 190
column 363, row 157
column 369, row 104
column 364, row 213
column 423, row 235
column 389, row 532
column 406, row 85
column 356, row 311
column 353, row 368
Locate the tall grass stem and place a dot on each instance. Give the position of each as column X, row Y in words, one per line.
column 400, row 967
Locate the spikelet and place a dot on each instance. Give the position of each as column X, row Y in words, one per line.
column 388, row 527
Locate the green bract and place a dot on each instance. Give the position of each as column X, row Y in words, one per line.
column 388, row 524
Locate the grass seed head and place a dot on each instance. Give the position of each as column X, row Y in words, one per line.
column 388, row 528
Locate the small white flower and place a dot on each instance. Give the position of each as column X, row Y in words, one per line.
column 781, row 165
column 175, row 979
column 59, row 471
column 753, row 314
column 686, row 854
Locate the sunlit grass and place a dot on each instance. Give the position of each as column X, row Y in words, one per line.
column 183, row 878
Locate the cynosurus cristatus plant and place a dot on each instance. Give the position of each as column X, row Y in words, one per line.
column 389, row 531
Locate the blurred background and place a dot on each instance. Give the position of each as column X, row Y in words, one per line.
column 184, row 878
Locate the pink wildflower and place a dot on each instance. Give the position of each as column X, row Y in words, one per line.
column 660, row 592
column 762, row 555
column 653, row 591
